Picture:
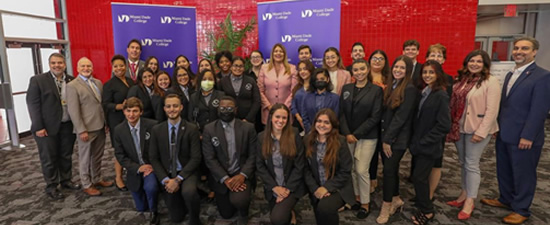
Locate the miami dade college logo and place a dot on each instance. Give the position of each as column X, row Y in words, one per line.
column 307, row 13
column 166, row 19
column 267, row 16
column 146, row 42
column 286, row 38
column 168, row 64
column 123, row 18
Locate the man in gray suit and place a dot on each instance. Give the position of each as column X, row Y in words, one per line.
column 84, row 105
column 51, row 126
column 134, row 63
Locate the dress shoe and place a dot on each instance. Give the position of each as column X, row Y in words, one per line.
column 92, row 191
column 55, row 194
column 494, row 203
column 104, row 184
column 455, row 203
column 155, row 219
column 514, row 218
column 464, row 216
column 70, row 185
column 122, row 188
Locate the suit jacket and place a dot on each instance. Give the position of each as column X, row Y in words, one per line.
column 140, row 66
column 293, row 168
column 175, row 89
column 143, row 95
column 360, row 114
column 397, row 123
column 310, row 108
column 524, row 110
column 126, row 153
column 482, row 108
column 215, row 150
column 157, row 103
column 84, row 108
column 188, row 150
column 114, row 92
column 341, row 182
column 431, row 125
column 417, row 76
column 201, row 113
column 344, row 78
column 248, row 101
column 275, row 88
column 44, row 103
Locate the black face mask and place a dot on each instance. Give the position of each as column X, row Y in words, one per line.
column 321, row 84
column 226, row 116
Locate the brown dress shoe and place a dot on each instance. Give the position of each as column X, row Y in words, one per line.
column 494, row 203
column 104, row 184
column 92, row 191
column 514, row 218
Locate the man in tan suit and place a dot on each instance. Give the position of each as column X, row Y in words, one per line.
column 86, row 112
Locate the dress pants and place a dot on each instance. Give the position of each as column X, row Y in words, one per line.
column 231, row 202
column 326, row 209
column 55, row 152
column 469, row 154
column 281, row 212
column 517, row 175
column 373, row 170
column 146, row 198
column 89, row 157
column 421, row 173
column 391, row 174
column 186, row 199
column 362, row 151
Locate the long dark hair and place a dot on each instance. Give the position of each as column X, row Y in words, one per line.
column 339, row 64
column 333, row 142
column 148, row 60
column 394, row 97
column 175, row 76
column 309, row 67
column 287, row 141
column 369, row 76
column 386, row 70
column 139, row 79
column 484, row 74
column 313, row 80
column 441, row 81
column 158, row 90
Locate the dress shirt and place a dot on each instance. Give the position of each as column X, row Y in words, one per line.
column 278, row 162
column 425, row 93
column 185, row 91
column 320, row 100
column 135, row 136
column 321, row 150
column 334, row 80
column 85, row 79
column 62, row 90
column 207, row 97
column 170, row 125
column 515, row 75
column 236, row 82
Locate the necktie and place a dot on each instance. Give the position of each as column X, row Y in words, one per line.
column 135, row 136
column 92, row 86
column 173, row 152
column 133, row 69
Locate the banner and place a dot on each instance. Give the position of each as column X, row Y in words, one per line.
column 164, row 31
column 293, row 23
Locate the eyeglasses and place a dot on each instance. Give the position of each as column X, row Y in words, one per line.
column 226, row 109
column 376, row 59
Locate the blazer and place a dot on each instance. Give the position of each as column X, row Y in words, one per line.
column 143, row 95
column 431, row 125
column 293, row 169
column 344, row 78
column 126, row 153
column 480, row 114
column 416, row 76
column 114, row 92
column 175, row 89
column 44, row 103
column 275, row 88
column 248, row 100
column 341, row 182
column 310, row 107
column 216, row 158
column 140, row 66
column 201, row 113
column 360, row 114
column 84, row 108
column 524, row 110
column 397, row 123
column 187, row 146
column 157, row 103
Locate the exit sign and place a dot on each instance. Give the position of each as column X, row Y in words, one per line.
column 511, row 11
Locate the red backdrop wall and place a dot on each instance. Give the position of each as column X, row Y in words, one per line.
column 379, row 24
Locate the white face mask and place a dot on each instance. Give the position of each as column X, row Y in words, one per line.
column 207, row 85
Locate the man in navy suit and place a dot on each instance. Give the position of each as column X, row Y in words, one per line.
column 524, row 106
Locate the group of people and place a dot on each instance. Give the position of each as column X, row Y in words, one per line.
column 301, row 130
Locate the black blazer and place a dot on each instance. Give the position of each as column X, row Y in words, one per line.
column 214, row 148
column 188, row 149
column 416, row 78
column 157, row 103
column 397, row 123
column 292, row 168
column 44, row 103
column 341, row 182
column 125, row 150
column 248, row 101
column 360, row 114
column 136, row 91
column 201, row 113
column 450, row 82
column 114, row 92
column 175, row 89
column 431, row 125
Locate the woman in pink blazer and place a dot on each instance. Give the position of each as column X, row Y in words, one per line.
column 276, row 80
column 339, row 76
column 474, row 110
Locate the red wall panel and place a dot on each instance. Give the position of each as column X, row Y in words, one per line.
column 379, row 24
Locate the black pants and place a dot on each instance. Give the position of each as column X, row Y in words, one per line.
column 281, row 212
column 421, row 173
column 55, row 152
column 231, row 202
column 186, row 199
column 326, row 209
column 391, row 174
column 373, row 169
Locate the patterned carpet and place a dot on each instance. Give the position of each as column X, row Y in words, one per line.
column 23, row 200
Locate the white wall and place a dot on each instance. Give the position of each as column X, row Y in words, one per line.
column 543, row 36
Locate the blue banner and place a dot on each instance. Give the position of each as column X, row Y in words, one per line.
column 293, row 23
column 164, row 31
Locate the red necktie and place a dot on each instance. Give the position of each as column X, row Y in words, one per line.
column 133, row 69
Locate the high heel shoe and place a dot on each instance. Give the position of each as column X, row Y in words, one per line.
column 396, row 206
column 456, row 203
column 464, row 216
column 384, row 214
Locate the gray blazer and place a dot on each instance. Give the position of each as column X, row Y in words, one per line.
column 84, row 108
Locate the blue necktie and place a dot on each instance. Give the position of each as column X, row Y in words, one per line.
column 135, row 136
